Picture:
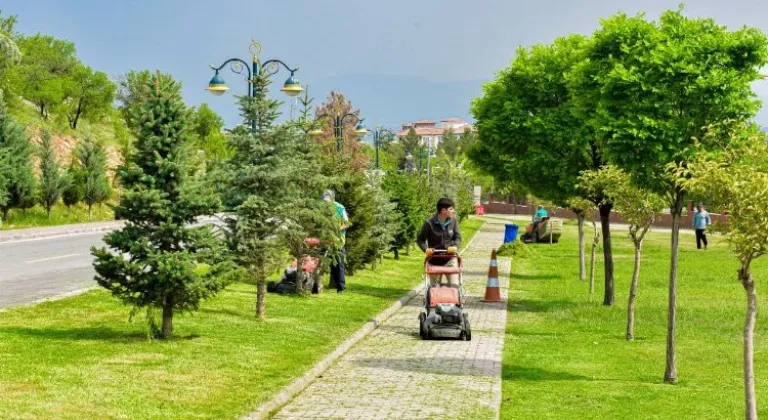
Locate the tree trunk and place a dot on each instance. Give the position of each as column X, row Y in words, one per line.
column 90, row 212
column 633, row 294
column 397, row 253
column 167, row 331
column 605, row 213
column 595, row 241
column 670, row 373
column 592, row 271
column 750, row 399
column 261, row 292
column 73, row 121
column 582, row 251
column 48, row 211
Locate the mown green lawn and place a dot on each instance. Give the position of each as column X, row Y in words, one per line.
column 80, row 358
column 60, row 215
column 566, row 357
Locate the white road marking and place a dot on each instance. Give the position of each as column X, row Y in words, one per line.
column 52, row 258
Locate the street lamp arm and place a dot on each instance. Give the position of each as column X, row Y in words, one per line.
column 359, row 120
column 271, row 67
column 383, row 131
column 237, row 66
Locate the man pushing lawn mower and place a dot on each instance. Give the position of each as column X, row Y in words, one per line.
column 440, row 239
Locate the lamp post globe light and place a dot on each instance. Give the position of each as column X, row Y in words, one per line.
column 257, row 69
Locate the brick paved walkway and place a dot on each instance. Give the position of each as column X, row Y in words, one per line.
column 393, row 374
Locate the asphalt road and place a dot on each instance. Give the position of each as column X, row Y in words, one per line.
column 42, row 268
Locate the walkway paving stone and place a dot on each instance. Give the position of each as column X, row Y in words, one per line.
column 393, row 374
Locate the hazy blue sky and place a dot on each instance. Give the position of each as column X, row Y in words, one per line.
column 439, row 41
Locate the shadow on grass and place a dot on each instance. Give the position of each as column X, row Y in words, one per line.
column 77, row 334
column 375, row 291
column 527, row 305
column 516, row 276
column 524, row 373
column 228, row 312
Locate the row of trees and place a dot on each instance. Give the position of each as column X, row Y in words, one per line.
column 46, row 72
column 643, row 96
column 267, row 184
column 85, row 180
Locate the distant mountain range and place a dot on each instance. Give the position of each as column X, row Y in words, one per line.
column 391, row 100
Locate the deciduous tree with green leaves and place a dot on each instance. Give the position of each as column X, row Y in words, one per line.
column 737, row 179
column 651, row 88
column 208, row 127
column 529, row 132
column 53, row 182
column 9, row 51
column 157, row 260
column 44, row 74
column 638, row 207
column 90, row 95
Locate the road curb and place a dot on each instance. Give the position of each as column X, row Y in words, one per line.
column 286, row 395
column 67, row 230
column 50, row 298
column 38, row 233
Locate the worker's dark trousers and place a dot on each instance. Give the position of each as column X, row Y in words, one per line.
column 701, row 236
column 337, row 272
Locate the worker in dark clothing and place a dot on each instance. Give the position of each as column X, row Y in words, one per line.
column 441, row 231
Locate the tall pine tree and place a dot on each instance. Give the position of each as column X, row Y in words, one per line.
column 261, row 185
column 92, row 161
column 19, row 185
column 53, row 182
column 306, row 215
column 157, row 260
column 74, row 192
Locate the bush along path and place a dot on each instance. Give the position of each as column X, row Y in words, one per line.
column 392, row 373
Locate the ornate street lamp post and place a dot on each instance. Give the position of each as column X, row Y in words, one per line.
column 256, row 70
column 338, row 127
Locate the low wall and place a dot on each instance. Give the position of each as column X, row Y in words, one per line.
column 662, row 219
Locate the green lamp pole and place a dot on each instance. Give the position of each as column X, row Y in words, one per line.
column 338, row 127
column 257, row 69
column 377, row 141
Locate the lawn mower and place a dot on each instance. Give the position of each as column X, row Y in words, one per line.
column 547, row 230
column 444, row 315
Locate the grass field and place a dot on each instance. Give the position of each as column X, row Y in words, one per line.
column 566, row 357
column 80, row 358
column 60, row 215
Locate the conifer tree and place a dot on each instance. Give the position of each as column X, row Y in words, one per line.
column 19, row 186
column 157, row 260
column 53, row 181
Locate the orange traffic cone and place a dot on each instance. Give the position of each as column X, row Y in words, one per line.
column 492, row 292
